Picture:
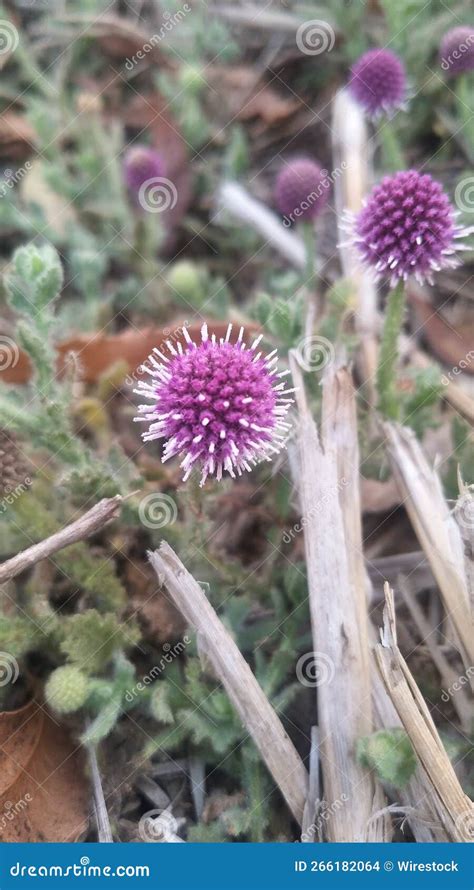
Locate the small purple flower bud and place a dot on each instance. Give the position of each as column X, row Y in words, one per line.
column 456, row 53
column 407, row 227
column 301, row 190
column 378, row 82
column 218, row 404
column 141, row 164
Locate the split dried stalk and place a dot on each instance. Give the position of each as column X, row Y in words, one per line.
column 91, row 522
column 436, row 529
column 455, row 809
column 248, row 698
column 337, row 602
column 236, row 201
column 351, row 155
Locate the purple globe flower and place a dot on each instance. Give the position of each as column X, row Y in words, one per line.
column 456, row 53
column 140, row 165
column 301, row 190
column 218, row 404
column 378, row 82
column 407, row 227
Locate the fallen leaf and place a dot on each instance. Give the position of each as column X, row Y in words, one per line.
column 44, row 794
column 451, row 345
column 97, row 352
column 17, row 137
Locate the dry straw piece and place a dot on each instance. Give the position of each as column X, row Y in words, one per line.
column 228, row 664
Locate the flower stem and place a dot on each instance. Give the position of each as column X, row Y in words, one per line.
column 392, row 156
column 464, row 92
column 310, row 276
column 388, row 402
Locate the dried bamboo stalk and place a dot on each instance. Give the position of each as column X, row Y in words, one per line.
column 455, row 808
column 248, row 698
column 91, row 522
column 436, row 529
column 337, row 605
column 352, row 156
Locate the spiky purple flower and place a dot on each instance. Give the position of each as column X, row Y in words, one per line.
column 219, row 404
column 140, row 165
column 407, row 227
column 456, row 53
column 378, row 82
column 301, row 190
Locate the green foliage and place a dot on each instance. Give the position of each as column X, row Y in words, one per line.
column 90, row 639
column 66, row 690
column 112, row 702
column 390, row 754
column 389, row 401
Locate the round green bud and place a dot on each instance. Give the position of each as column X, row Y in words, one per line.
column 191, row 79
column 184, row 278
column 66, row 689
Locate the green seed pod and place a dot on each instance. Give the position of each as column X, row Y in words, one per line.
column 185, row 279
column 66, row 690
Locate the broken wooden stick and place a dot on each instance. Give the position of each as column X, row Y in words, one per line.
column 337, row 599
column 454, row 807
column 91, row 522
column 245, row 693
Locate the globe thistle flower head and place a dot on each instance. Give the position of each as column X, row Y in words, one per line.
column 301, row 190
column 378, row 82
column 456, row 52
column 407, row 227
column 141, row 164
column 218, row 404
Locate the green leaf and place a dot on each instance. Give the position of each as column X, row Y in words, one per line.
column 390, row 754
column 90, row 639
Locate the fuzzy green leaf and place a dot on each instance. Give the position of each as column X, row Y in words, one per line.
column 390, row 754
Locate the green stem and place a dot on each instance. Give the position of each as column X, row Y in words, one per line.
column 464, row 101
column 310, row 275
column 392, row 156
column 388, row 403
